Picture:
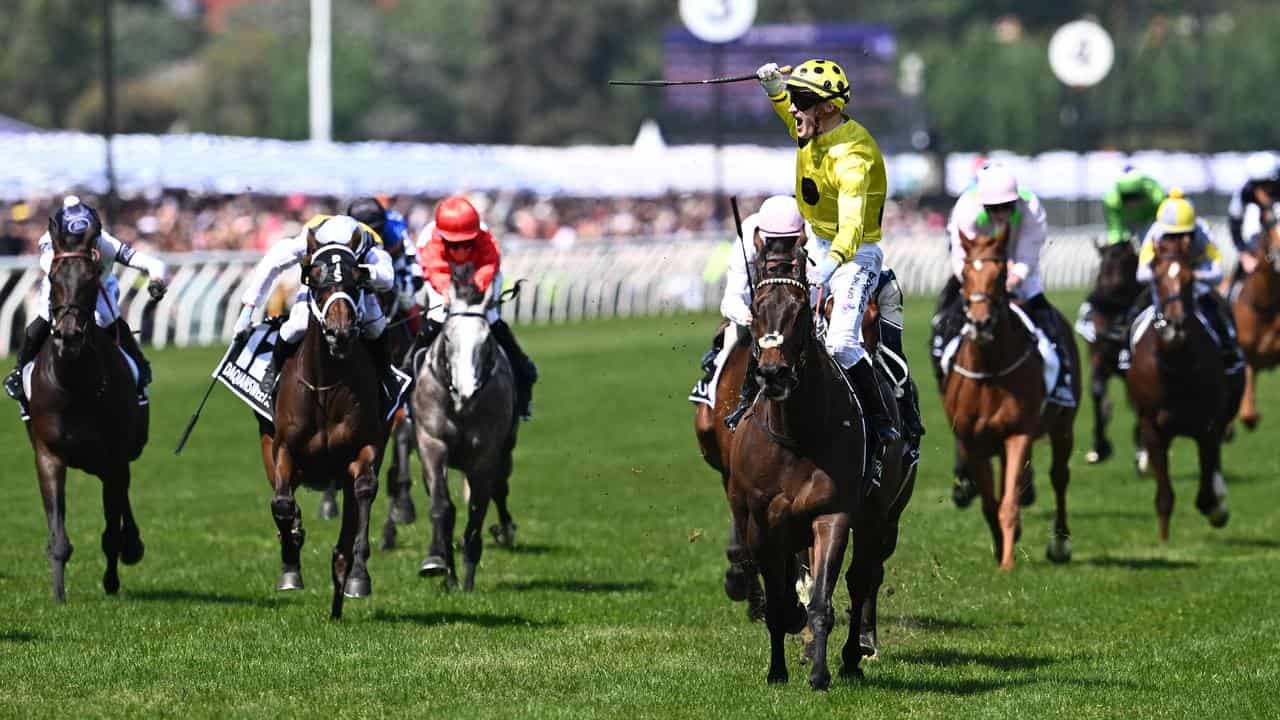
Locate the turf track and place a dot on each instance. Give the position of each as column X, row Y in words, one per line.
column 611, row 606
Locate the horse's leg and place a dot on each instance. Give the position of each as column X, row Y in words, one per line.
column 1157, row 447
column 131, row 548
column 742, row 579
column 1211, row 500
column 1100, row 373
column 1062, row 440
column 780, row 610
column 111, row 540
column 980, row 470
column 830, row 537
column 399, row 484
column 52, row 473
column 1016, row 456
column 965, row 487
column 284, row 508
column 329, row 502
column 439, row 560
column 504, row 533
column 472, row 537
column 365, row 488
column 1249, row 406
column 863, row 581
column 343, row 551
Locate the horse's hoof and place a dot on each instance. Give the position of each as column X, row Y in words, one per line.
column 504, row 536
column 1027, row 489
column 1059, row 550
column 388, row 542
column 291, row 580
column 357, row 587
column 132, row 552
column 1219, row 516
column 328, row 509
column 756, row 607
column 867, row 646
column 111, row 584
column 1098, row 454
column 1142, row 461
column 403, row 513
column 777, row 678
column 433, row 566
column 1251, row 423
column 963, row 492
column 851, row 672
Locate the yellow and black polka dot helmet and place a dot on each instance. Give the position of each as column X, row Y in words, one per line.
column 823, row 77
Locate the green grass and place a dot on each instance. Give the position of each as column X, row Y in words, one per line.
column 612, row 605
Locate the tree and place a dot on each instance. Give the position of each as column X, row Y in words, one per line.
column 49, row 54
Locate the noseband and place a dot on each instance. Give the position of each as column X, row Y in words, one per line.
column 1159, row 321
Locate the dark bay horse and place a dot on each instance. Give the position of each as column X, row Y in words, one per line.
column 1257, row 315
column 797, row 473
column 1178, row 385
column 464, row 417
column 994, row 398
column 1106, row 330
column 328, row 421
column 84, row 410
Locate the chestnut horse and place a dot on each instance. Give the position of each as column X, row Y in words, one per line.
column 797, row 473
column 328, row 421
column 84, row 410
column 1257, row 314
column 994, row 398
column 1106, row 330
column 1178, row 385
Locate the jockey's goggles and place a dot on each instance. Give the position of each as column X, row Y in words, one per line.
column 459, row 244
column 804, row 100
column 1002, row 207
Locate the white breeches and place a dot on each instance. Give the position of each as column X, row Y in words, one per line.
column 372, row 320
column 437, row 305
column 851, row 286
column 107, row 309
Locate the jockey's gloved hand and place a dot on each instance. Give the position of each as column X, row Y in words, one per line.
column 157, row 289
column 245, row 321
column 771, row 78
column 822, row 273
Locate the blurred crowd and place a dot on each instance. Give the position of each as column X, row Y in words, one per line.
column 180, row 222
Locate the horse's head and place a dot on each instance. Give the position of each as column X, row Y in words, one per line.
column 337, row 281
column 73, row 276
column 983, row 284
column 1117, row 270
column 1269, row 238
column 1172, row 286
column 466, row 346
column 781, row 323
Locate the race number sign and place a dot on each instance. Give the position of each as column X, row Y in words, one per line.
column 718, row 21
column 242, row 366
column 1081, row 53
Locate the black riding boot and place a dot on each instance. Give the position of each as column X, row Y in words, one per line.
column 709, row 358
column 129, row 344
column 909, row 404
column 525, row 371
column 1217, row 312
column 36, row 333
column 750, row 388
column 279, row 354
column 1044, row 317
column 875, row 406
column 946, row 323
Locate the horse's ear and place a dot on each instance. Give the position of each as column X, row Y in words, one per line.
column 965, row 241
column 757, row 241
column 1184, row 245
column 312, row 241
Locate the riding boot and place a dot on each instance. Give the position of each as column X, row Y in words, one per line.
column 279, row 354
column 1044, row 317
column 946, row 324
column 129, row 344
column 875, row 407
column 36, row 333
column 750, row 388
column 380, row 353
column 709, row 358
column 525, row 371
column 1217, row 312
column 909, row 403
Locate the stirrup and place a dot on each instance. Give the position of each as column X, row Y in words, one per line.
column 13, row 384
column 270, row 376
column 732, row 419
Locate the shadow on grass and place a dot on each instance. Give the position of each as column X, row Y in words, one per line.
column 581, row 586
column 1265, row 543
column 488, row 620
column 1137, row 563
column 178, row 595
column 945, row 687
column 18, row 636
column 933, row 622
column 949, row 658
column 1110, row 515
column 535, row 549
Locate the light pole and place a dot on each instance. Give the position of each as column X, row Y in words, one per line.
column 319, row 95
column 108, row 102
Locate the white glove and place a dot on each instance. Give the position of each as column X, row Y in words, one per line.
column 742, row 317
column 771, row 78
column 245, row 320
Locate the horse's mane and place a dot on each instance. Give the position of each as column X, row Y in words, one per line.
column 464, row 285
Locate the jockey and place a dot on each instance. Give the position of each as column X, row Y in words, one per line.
column 993, row 205
column 840, row 177
column 329, row 230
column 75, row 218
column 394, row 231
column 457, row 237
column 1177, row 219
column 1260, row 192
column 1130, row 206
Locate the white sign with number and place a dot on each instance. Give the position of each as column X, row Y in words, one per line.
column 718, row 21
column 1081, row 53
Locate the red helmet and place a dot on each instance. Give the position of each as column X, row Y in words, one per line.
column 457, row 220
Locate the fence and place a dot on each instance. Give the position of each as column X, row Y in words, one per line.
column 653, row 277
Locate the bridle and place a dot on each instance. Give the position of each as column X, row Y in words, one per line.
column 339, row 265
column 445, row 374
column 999, row 304
column 1159, row 321
column 56, row 312
column 999, row 307
column 772, row 340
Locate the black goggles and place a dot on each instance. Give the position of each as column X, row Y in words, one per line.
column 805, row 99
column 1003, row 207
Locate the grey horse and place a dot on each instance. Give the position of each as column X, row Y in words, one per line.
column 464, row 418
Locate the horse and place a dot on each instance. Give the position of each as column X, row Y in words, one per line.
column 994, row 398
column 328, row 422
column 796, row 478
column 464, row 418
column 84, row 411
column 1106, row 330
column 1178, row 385
column 1257, row 314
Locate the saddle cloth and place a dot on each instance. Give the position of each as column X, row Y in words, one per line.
column 31, row 366
column 704, row 391
column 1047, row 353
column 242, row 366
